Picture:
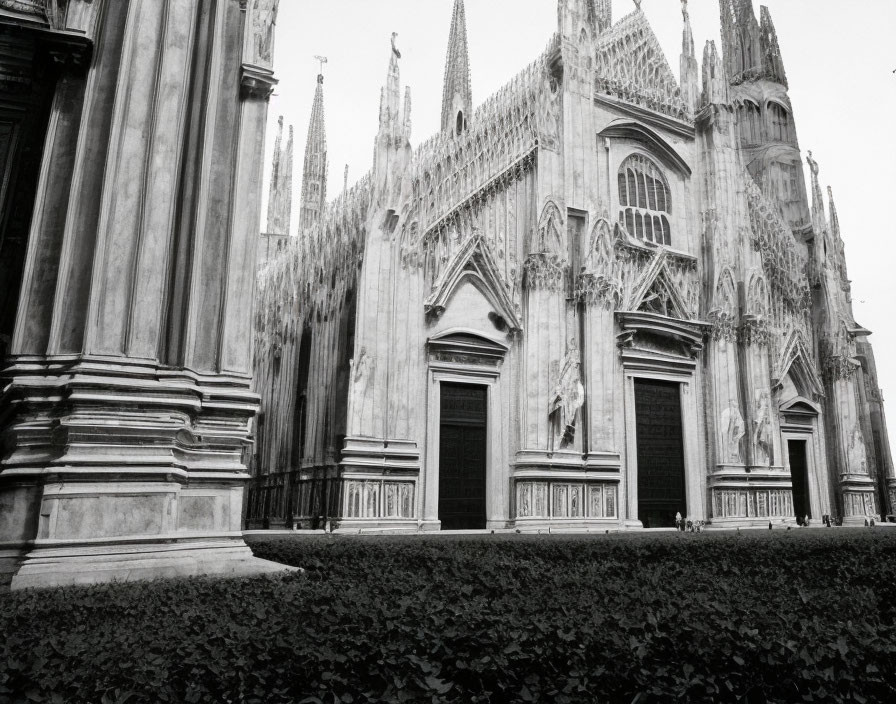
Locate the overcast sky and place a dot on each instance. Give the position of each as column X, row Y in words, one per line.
column 839, row 56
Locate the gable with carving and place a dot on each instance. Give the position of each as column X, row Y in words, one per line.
column 631, row 66
column 474, row 263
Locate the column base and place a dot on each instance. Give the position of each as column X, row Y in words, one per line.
column 54, row 566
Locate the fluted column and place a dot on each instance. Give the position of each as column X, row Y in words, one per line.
column 128, row 386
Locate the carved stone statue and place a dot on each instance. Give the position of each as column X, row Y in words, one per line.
column 567, row 397
column 360, row 375
column 395, row 48
column 858, row 458
column 813, row 165
column 762, row 436
column 733, row 433
column 264, row 19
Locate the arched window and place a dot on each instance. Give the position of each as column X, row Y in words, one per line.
column 751, row 123
column 644, row 200
column 780, row 122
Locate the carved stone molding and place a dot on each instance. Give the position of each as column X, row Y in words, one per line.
column 688, row 333
column 724, row 326
column 596, row 289
column 839, row 367
column 257, row 82
column 474, row 263
column 755, row 331
column 466, row 347
column 631, row 66
column 543, row 270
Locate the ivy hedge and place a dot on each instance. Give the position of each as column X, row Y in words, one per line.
column 784, row 616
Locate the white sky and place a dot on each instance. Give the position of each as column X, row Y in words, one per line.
column 839, row 64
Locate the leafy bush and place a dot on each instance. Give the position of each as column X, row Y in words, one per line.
column 788, row 616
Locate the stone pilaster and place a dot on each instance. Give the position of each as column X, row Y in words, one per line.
column 544, row 343
column 128, row 386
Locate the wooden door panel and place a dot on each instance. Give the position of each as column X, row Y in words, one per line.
column 660, row 444
column 462, row 457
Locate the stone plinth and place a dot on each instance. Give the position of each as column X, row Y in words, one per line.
column 127, row 395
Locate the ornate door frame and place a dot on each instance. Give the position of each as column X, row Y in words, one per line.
column 695, row 481
column 467, row 357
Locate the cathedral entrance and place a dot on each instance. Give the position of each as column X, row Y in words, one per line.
column 799, row 474
column 462, row 451
column 661, row 482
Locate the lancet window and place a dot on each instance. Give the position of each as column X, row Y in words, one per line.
column 780, row 122
column 644, row 200
column 751, row 123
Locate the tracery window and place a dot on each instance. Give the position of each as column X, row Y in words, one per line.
column 751, row 123
column 780, row 122
column 644, row 200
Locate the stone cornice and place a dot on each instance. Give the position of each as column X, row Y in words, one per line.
column 257, row 82
column 678, row 127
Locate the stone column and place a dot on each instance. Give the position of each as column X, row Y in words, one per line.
column 128, row 385
column 599, row 290
column 848, row 449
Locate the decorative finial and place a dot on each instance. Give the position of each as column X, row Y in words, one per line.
column 322, row 60
column 394, row 48
column 684, row 8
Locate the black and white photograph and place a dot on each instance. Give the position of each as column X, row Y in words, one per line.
column 447, row 351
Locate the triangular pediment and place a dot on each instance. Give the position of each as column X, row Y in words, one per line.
column 656, row 292
column 800, row 406
column 796, row 361
column 475, row 264
column 631, row 66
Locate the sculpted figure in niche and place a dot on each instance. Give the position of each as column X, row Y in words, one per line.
column 549, row 235
column 733, row 430
column 762, row 435
column 858, row 459
column 549, row 116
column 264, row 18
column 567, row 397
column 360, row 375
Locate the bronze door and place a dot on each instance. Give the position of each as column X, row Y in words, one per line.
column 661, row 485
column 462, row 448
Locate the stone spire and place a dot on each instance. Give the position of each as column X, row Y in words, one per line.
column 390, row 95
column 751, row 49
column 457, row 95
column 715, row 83
column 689, row 70
column 280, row 196
column 314, row 172
column 603, row 11
column 837, row 241
column 772, row 63
column 817, row 200
column 832, row 209
column 392, row 144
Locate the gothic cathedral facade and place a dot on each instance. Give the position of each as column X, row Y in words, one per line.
column 603, row 297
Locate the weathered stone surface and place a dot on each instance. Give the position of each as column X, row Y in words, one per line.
column 127, row 395
column 635, row 234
